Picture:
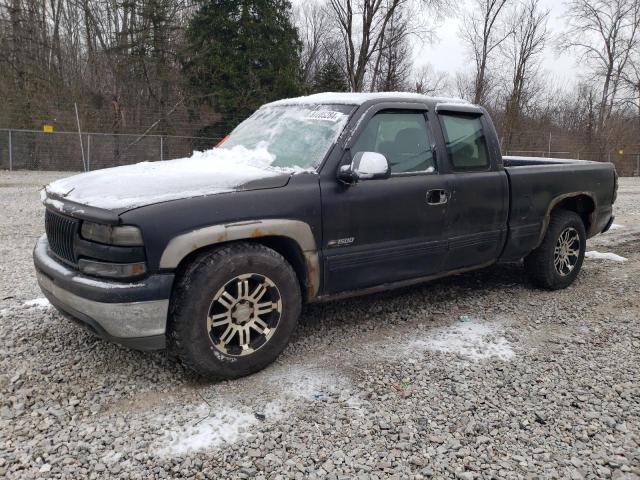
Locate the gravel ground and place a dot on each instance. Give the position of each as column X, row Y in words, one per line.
column 476, row 376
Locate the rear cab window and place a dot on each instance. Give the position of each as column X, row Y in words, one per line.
column 403, row 137
column 465, row 141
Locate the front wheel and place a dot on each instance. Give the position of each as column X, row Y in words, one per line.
column 233, row 310
column 555, row 264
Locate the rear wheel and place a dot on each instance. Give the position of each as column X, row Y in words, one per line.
column 234, row 310
column 557, row 261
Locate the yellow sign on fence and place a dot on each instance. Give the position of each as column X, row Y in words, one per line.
column 47, row 128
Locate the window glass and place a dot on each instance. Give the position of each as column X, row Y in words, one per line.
column 402, row 138
column 465, row 141
column 294, row 135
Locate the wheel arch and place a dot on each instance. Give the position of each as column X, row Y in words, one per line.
column 582, row 203
column 292, row 239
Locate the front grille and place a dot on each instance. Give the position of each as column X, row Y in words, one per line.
column 61, row 230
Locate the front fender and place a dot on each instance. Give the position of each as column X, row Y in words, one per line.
column 300, row 232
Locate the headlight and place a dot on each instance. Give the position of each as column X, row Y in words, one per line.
column 112, row 270
column 127, row 236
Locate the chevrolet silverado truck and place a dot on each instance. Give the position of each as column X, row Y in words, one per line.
column 310, row 199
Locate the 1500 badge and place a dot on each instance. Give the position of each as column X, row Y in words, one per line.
column 341, row 242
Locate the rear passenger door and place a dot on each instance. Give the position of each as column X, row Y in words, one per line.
column 478, row 207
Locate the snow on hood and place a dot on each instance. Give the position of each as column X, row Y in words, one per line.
column 204, row 173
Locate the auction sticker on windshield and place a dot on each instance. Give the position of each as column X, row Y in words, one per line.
column 328, row 115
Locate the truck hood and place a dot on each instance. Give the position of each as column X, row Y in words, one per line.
column 205, row 173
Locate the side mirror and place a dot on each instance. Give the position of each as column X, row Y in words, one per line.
column 365, row 166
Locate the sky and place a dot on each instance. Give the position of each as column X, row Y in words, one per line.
column 449, row 54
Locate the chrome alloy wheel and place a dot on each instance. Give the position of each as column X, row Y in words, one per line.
column 567, row 251
column 244, row 314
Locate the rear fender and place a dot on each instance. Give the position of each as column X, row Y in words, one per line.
column 559, row 199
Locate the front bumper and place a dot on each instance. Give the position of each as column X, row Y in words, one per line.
column 131, row 314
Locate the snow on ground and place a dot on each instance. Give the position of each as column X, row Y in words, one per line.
column 615, row 226
column 595, row 255
column 302, row 382
column 223, row 421
column 213, row 427
column 469, row 338
column 37, row 303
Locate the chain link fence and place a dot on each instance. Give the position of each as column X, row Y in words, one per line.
column 627, row 164
column 37, row 150
column 70, row 151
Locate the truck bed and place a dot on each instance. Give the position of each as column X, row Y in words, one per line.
column 537, row 185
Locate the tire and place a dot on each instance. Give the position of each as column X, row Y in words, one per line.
column 221, row 304
column 546, row 268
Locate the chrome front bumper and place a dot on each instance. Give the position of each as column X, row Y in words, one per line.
column 132, row 314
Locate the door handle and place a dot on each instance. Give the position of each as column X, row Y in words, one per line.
column 437, row 197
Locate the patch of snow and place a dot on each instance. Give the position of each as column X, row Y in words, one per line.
column 469, row 338
column 37, row 303
column 595, row 255
column 57, row 204
column 69, row 209
column 299, row 382
column 229, row 420
column 218, row 170
column 355, row 98
column 213, row 429
column 472, row 340
column 616, row 226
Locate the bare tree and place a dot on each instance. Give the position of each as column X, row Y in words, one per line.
column 392, row 66
column 483, row 33
column 428, row 81
column 363, row 25
column 605, row 33
column 631, row 83
column 522, row 50
column 464, row 83
column 108, row 56
column 374, row 16
column 312, row 20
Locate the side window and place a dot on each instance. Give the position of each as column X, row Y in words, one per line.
column 465, row 141
column 402, row 137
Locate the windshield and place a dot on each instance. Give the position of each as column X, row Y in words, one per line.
column 295, row 135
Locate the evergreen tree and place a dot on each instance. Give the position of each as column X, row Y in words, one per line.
column 241, row 54
column 330, row 78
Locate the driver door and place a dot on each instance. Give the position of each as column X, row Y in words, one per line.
column 386, row 230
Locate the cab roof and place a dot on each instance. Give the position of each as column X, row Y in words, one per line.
column 354, row 98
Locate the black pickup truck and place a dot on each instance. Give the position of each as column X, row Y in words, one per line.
column 310, row 199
